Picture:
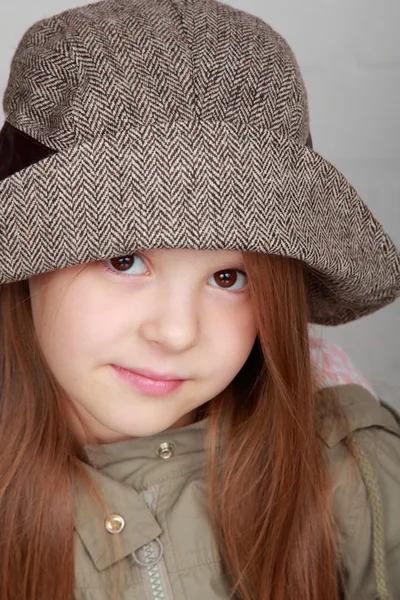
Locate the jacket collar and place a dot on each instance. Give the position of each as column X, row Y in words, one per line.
column 111, row 458
column 119, row 472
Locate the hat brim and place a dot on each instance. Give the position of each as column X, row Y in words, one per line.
column 203, row 185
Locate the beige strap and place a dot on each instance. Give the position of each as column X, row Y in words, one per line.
column 378, row 538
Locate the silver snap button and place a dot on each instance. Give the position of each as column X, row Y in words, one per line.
column 165, row 450
column 115, row 524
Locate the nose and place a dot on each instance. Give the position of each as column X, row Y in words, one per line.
column 172, row 322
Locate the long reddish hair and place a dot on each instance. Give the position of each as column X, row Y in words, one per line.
column 270, row 492
column 269, row 489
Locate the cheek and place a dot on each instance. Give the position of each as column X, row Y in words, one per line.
column 234, row 339
column 82, row 334
column 72, row 326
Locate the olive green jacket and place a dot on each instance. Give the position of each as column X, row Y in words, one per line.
column 155, row 490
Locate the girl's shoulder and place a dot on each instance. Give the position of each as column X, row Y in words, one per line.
column 362, row 411
column 363, row 452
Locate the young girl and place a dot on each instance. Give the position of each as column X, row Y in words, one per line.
column 167, row 234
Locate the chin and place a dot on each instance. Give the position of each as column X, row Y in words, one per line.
column 147, row 429
column 155, row 428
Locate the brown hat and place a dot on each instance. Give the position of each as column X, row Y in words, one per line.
column 177, row 123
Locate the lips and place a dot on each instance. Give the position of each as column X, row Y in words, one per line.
column 149, row 382
column 153, row 374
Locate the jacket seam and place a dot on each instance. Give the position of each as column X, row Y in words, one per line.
column 169, row 477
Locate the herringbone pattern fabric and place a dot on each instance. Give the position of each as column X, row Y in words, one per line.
column 180, row 123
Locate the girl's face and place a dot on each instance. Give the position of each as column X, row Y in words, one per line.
column 139, row 342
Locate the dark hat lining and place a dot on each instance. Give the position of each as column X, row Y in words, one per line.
column 19, row 150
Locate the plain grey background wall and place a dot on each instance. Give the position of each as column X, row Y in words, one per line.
column 349, row 53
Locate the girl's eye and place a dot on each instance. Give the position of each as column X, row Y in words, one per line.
column 231, row 279
column 132, row 264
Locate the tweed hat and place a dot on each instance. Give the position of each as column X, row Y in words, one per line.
column 138, row 124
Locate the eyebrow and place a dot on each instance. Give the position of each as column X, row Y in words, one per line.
column 229, row 262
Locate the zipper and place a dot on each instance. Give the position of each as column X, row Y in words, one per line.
column 150, row 558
